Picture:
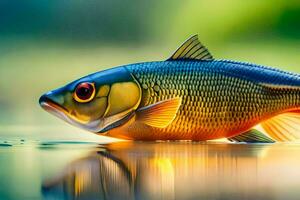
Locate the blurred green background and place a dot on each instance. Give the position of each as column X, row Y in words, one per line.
column 45, row 44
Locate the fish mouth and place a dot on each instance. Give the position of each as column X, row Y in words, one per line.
column 54, row 108
column 57, row 110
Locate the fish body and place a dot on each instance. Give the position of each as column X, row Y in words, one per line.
column 219, row 98
column 190, row 96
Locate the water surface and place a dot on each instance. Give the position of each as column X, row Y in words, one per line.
column 137, row 170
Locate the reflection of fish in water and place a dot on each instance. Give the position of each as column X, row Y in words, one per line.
column 181, row 171
column 95, row 177
column 190, row 96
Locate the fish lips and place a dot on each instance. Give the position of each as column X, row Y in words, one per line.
column 54, row 108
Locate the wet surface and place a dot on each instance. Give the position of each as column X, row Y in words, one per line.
column 137, row 170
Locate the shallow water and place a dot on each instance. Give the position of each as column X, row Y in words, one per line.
column 137, row 170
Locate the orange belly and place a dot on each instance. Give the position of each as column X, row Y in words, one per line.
column 175, row 131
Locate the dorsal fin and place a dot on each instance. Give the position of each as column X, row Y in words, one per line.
column 192, row 49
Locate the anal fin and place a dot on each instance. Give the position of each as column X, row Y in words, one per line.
column 252, row 136
column 283, row 127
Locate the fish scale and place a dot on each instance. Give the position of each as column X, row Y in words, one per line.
column 211, row 96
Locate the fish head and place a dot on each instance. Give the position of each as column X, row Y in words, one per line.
column 97, row 102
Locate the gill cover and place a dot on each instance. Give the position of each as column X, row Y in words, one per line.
column 123, row 99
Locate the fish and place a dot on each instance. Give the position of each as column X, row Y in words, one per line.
column 189, row 96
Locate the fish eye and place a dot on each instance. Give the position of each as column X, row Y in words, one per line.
column 84, row 92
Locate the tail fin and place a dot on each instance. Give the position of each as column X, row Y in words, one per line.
column 283, row 127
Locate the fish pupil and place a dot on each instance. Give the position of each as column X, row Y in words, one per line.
column 84, row 91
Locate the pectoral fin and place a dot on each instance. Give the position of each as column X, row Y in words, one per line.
column 251, row 136
column 160, row 114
